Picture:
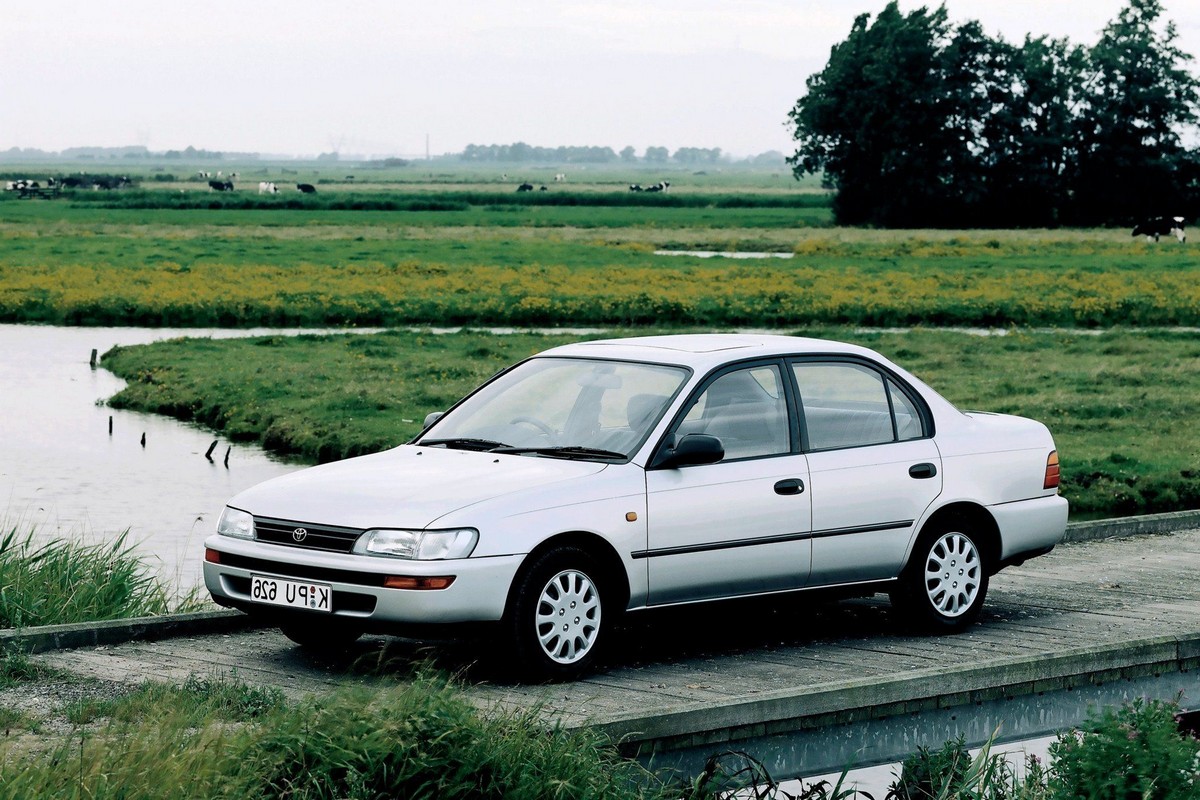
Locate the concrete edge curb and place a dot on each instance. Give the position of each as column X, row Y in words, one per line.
column 934, row 687
column 92, row 634
column 1147, row 524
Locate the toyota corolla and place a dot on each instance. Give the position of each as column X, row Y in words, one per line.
column 605, row 477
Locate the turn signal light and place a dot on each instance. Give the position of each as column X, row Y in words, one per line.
column 1052, row 473
column 415, row 582
column 212, row 556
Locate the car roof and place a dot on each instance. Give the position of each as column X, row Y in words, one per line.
column 703, row 350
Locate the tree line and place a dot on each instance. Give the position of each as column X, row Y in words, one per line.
column 519, row 152
column 917, row 122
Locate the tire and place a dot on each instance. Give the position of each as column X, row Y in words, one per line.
column 944, row 585
column 556, row 619
column 321, row 634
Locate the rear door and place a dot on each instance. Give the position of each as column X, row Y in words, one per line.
column 873, row 467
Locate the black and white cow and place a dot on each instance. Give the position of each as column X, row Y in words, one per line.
column 306, row 188
column 267, row 187
column 221, row 186
column 525, row 187
column 1155, row 227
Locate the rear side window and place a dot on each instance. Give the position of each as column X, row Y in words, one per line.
column 851, row 405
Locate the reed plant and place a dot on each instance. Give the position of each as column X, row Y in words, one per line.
column 57, row 581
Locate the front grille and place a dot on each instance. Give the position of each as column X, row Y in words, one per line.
column 315, row 537
column 303, row 571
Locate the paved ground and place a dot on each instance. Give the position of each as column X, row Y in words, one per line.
column 1112, row 606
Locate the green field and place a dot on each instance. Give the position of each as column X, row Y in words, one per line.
column 583, row 254
column 113, row 258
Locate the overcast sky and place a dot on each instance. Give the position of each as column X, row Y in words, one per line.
column 376, row 77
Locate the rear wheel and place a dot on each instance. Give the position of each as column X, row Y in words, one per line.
column 321, row 634
column 944, row 586
column 556, row 616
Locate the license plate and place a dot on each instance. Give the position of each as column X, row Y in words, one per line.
column 293, row 594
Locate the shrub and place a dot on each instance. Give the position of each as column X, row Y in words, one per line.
column 1136, row 751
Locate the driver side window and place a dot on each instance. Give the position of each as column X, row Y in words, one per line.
column 746, row 409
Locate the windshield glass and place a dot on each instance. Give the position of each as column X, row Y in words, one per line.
column 563, row 403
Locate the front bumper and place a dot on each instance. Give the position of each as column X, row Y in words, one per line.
column 478, row 594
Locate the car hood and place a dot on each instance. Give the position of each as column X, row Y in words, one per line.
column 406, row 487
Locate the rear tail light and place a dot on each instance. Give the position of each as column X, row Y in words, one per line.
column 1052, row 472
column 212, row 556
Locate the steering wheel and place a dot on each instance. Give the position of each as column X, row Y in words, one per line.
column 535, row 422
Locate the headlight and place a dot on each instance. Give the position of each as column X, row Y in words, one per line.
column 418, row 545
column 237, row 523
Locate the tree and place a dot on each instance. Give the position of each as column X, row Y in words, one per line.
column 915, row 123
column 1140, row 95
column 873, row 120
column 656, row 155
column 628, row 154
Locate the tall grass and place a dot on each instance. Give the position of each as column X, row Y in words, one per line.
column 60, row 581
column 421, row 740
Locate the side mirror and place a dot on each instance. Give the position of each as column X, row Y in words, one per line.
column 432, row 417
column 690, row 450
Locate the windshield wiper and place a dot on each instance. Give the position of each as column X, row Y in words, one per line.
column 565, row 451
column 464, row 443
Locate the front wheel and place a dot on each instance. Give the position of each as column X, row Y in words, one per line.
column 944, row 585
column 556, row 616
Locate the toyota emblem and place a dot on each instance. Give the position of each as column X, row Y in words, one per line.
column 299, row 534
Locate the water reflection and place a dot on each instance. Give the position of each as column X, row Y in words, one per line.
column 62, row 472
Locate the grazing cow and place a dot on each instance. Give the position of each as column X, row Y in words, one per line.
column 306, row 188
column 221, row 186
column 661, row 186
column 542, row 188
column 525, row 187
column 266, row 187
column 635, row 187
column 560, row 177
column 1161, row 226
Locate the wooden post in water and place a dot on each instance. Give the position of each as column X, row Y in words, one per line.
column 110, row 424
column 143, row 438
column 93, row 359
column 227, row 449
column 211, row 447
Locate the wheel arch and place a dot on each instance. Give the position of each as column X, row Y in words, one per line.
column 976, row 519
column 596, row 546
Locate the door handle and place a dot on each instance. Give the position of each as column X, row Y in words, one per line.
column 789, row 486
column 925, row 470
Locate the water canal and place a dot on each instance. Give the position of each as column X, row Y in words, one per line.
column 64, row 475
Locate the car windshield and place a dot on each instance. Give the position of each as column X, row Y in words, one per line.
column 564, row 407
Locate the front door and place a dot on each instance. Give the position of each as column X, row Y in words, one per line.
column 739, row 526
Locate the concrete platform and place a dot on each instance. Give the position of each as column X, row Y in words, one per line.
column 711, row 677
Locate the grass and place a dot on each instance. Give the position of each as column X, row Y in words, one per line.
column 417, row 740
column 1116, row 402
column 565, row 265
column 58, row 581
